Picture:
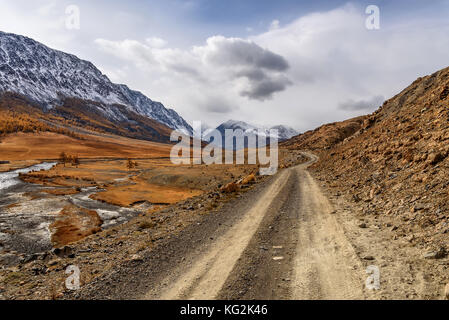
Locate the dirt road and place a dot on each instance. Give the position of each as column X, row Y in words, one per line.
column 310, row 256
column 278, row 241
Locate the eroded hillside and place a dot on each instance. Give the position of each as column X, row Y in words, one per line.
column 390, row 170
column 325, row 136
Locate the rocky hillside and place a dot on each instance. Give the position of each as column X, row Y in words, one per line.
column 325, row 136
column 49, row 77
column 74, row 116
column 395, row 168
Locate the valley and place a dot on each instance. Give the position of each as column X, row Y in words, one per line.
column 286, row 237
column 355, row 210
column 46, row 207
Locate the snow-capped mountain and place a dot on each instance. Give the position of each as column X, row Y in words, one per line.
column 47, row 76
column 283, row 132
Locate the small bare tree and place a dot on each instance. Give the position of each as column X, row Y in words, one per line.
column 129, row 164
column 75, row 161
column 69, row 159
column 63, row 158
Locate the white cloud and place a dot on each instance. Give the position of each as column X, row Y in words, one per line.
column 131, row 50
column 240, row 65
column 335, row 59
column 368, row 105
column 38, row 19
column 156, row 42
column 274, row 25
column 321, row 67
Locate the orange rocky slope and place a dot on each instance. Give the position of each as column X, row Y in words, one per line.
column 325, row 136
column 396, row 166
column 72, row 117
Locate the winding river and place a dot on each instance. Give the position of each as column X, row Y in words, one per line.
column 26, row 213
column 11, row 178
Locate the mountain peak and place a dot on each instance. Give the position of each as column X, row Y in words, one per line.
column 284, row 132
column 47, row 76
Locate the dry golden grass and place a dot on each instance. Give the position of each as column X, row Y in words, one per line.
column 104, row 162
column 230, row 187
column 73, row 224
column 156, row 181
column 53, row 179
column 16, row 164
column 127, row 195
column 13, row 122
column 49, row 145
column 61, row 192
column 248, row 179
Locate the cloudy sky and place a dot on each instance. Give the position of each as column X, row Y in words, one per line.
column 299, row 63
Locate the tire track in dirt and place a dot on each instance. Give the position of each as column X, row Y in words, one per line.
column 264, row 270
column 277, row 241
column 326, row 265
column 207, row 275
column 299, row 251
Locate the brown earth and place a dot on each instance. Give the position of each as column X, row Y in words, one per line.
column 61, row 191
column 17, row 164
column 396, row 166
column 283, row 239
column 376, row 197
column 49, row 145
column 73, row 224
column 391, row 174
column 126, row 196
column 326, row 136
column 72, row 116
column 108, row 251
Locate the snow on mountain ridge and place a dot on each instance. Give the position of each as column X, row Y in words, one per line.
column 284, row 132
column 46, row 76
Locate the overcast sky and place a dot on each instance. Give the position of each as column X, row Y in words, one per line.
column 299, row 63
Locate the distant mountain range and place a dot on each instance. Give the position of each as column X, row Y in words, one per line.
column 283, row 132
column 49, row 77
